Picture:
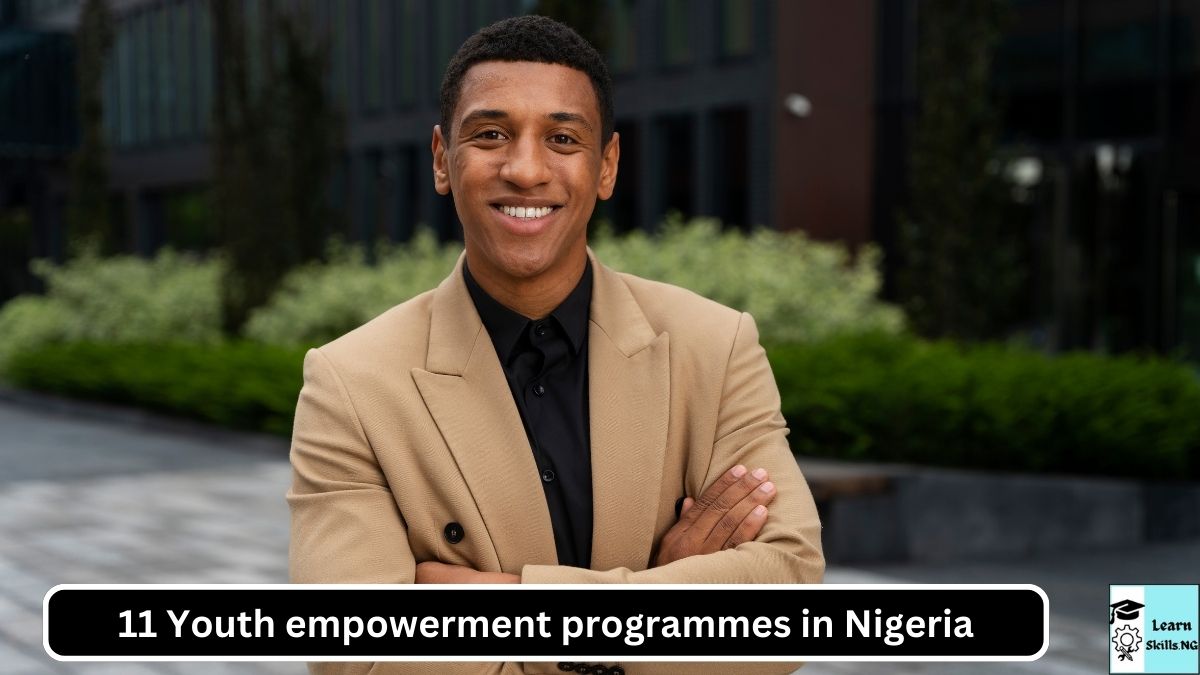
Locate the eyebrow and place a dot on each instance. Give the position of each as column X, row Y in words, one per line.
column 570, row 117
column 492, row 114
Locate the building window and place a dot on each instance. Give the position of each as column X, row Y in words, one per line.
column 142, row 60
column 622, row 51
column 675, row 165
column 676, row 32
column 204, row 65
column 731, row 184
column 164, row 71
column 373, row 26
column 407, row 30
column 624, row 209
column 737, row 28
column 483, row 14
column 185, row 119
column 340, row 81
column 1118, row 63
column 125, row 83
column 112, row 95
column 445, row 39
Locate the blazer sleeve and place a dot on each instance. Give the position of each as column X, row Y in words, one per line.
column 346, row 527
column 751, row 431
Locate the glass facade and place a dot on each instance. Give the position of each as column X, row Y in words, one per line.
column 205, row 65
column 446, row 39
column 373, row 25
column 622, row 56
column 1100, row 101
column 406, row 63
column 676, row 26
column 143, row 79
column 123, row 62
column 737, row 28
column 181, row 35
column 166, row 73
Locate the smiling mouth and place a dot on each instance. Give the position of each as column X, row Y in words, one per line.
column 525, row 212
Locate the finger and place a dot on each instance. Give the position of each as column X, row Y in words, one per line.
column 749, row 528
column 427, row 572
column 729, row 478
column 728, row 499
column 687, row 504
column 727, row 525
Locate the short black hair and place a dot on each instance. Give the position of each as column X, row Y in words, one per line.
column 528, row 38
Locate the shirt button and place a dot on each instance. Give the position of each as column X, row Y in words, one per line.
column 454, row 533
column 539, row 390
column 548, row 475
column 539, row 329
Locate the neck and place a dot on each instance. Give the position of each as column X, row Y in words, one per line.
column 532, row 297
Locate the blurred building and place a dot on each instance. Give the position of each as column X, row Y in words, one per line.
column 786, row 113
column 1101, row 106
column 699, row 89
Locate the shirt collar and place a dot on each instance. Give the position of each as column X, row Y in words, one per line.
column 506, row 326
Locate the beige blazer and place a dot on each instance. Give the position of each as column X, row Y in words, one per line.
column 407, row 424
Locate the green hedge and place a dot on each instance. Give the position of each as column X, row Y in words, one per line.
column 798, row 290
column 238, row 385
column 871, row 397
column 897, row 399
column 124, row 298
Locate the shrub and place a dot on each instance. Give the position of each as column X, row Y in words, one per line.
column 898, row 399
column 240, row 385
column 868, row 397
column 797, row 289
column 320, row 301
column 118, row 299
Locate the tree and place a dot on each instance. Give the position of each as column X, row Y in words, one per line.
column 961, row 257
column 87, row 205
column 276, row 135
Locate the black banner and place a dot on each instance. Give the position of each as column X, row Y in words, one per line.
column 630, row 623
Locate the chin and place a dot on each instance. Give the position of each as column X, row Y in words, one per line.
column 525, row 266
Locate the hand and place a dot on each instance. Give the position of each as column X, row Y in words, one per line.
column 731, row 511
column 442, row 573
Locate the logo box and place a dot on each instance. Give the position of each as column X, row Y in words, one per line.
column 1154, row 629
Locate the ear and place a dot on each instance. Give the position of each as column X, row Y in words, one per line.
column 441, row 168
column 608, row 167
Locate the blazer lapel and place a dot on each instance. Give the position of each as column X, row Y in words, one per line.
column 467, row 395
column 629, row 399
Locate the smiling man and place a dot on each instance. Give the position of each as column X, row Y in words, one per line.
column 539, row 418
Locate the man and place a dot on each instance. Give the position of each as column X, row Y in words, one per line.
column 539, row 418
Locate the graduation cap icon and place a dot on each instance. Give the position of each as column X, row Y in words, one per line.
column 1125, row 610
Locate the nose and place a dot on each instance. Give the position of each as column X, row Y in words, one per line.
column 525, row 163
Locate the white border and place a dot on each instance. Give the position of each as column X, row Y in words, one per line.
column 557, row 587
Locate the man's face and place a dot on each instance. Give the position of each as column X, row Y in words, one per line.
column 525, row 165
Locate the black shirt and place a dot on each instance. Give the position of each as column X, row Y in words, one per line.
column 546, row 364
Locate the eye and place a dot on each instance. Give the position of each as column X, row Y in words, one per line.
column 490, row 135
column 562, row 139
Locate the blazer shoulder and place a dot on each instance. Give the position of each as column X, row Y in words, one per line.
column 691, row 319
column 398, row 338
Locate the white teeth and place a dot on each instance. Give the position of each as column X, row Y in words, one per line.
column 526, row 212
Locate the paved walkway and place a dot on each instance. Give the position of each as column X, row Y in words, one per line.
column 104, row 501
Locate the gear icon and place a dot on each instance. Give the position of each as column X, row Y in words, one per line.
column 1126, row 640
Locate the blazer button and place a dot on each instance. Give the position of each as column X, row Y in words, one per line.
column 566, row 667
column 454, row 533
column 548, row 475
column 616, row 670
